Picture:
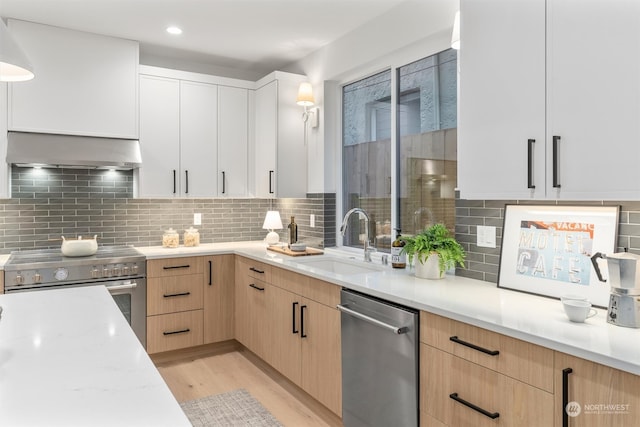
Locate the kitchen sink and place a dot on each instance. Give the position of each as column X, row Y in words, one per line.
column 340, row 266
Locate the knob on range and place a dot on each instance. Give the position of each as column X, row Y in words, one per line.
column 19, row 279
column 37, row 278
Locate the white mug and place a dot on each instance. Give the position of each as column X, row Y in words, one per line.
column 578, row 311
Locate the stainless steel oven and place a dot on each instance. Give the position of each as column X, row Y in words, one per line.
column 121, row 269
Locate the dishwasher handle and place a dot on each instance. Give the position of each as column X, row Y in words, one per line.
column 395, row 329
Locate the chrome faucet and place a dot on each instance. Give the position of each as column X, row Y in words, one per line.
column 343, row 230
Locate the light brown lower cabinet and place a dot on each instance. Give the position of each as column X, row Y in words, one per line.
column 597, row 395
column 174, row 331
column 219, row 298
column 456, row 392
column 1, row 282
column 251, row 310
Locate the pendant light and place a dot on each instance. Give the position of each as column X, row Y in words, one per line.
column 14, row 64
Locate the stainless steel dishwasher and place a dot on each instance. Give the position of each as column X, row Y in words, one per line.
column 379, row 362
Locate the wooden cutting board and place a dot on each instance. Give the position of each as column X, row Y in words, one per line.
column 287, row 251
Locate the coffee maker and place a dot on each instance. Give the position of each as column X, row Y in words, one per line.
column 624, row 279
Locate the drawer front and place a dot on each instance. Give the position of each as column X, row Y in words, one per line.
column 518, row 359
column 174, row 331
column 317, row 290
column 254, row 269
column 167, row 267
column 498, row 399
column 173, row 294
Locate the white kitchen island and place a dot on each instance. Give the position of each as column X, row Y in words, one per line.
column 69, row 358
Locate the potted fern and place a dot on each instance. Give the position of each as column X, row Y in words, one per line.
column 436, row 251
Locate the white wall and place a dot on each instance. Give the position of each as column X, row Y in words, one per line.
column 410, row 31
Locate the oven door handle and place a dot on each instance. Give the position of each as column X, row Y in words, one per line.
column 128, row 285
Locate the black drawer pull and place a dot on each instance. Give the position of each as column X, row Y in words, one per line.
column 253, row 285
column 181, row 294
column 210, row 273
column 556, row 147
column 475, row 347
column 530, row 143
column 565, row 396
column 293, row 316
column 176, row 266
column 182, row 331
column 302, row 333
column 256, row 270
column 492, row 415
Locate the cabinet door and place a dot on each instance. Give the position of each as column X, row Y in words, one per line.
column 198, row 139
column 233, row 126
column 284, row 327
column 159, row 175
column 321, row 354
column 251, row 311
column 501, row 99
column 266, row 105
column 594, row 98
column 219, row 295
column 598, row 395
column 86, row 84
column 5, row 169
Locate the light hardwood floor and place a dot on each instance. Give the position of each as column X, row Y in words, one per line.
column 198, row 376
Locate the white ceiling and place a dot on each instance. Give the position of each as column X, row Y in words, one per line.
column 257, row 35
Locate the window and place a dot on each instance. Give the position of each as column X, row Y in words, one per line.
column 424, row 144
column 366, row 168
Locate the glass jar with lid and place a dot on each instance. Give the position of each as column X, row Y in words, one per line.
column 191, row 237
column 170, row 238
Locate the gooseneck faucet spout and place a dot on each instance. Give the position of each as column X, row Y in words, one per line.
column 343, row 230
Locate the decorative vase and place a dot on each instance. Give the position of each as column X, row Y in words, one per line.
column 430, row 269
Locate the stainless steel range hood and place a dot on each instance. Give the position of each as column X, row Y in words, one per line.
column 41, row 149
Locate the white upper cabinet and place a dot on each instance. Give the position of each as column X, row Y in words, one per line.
column 193, row 133
column 280, row 150
column 159, row 137
column 233, row 134
column 85, row 84
column 198, row 139
column 549, row 100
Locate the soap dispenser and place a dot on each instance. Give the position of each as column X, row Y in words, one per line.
column 293, row 231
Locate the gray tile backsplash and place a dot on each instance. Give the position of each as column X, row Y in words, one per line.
column 48, row 203
column 482, row 263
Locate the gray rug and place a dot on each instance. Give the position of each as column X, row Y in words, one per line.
column 234, row 408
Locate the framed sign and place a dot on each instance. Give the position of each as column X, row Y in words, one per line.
column 546, row 250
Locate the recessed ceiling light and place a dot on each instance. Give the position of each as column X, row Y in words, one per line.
column 174, row 30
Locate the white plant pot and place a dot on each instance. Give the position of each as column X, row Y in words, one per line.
column 430, row 269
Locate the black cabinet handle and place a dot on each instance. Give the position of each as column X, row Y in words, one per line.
column 271, row 182
column 181, row 294
column 174, row 181
column 530, row 143
column 473, row 346
column 492, row 415
column 256, row 270
column 171, row 267
column 556, row 146
column 565, row 396
column 302, row 334
column 186, row 182
column 210, row 273
column 182, row 331
column 224, row 186
column 293, row 327
column 253, row 285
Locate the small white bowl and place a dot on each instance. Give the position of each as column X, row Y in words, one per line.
column 298, row 247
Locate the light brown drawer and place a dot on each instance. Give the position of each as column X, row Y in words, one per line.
column 255, row 269
column 174, row 266
column 173, row 331
column 173, row 294
column 518, row 359
column 315, row 289
column 445, row 377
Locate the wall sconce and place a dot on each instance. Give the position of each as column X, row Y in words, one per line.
column 272, row 222
column 306, row 100
column 455, row 35
column 14, row 64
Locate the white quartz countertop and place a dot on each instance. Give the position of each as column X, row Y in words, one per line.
column 531, row 318
column 69, row 358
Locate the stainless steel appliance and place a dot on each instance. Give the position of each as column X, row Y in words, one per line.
column 379, row 362
column 122, row 269
column 624, row 278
